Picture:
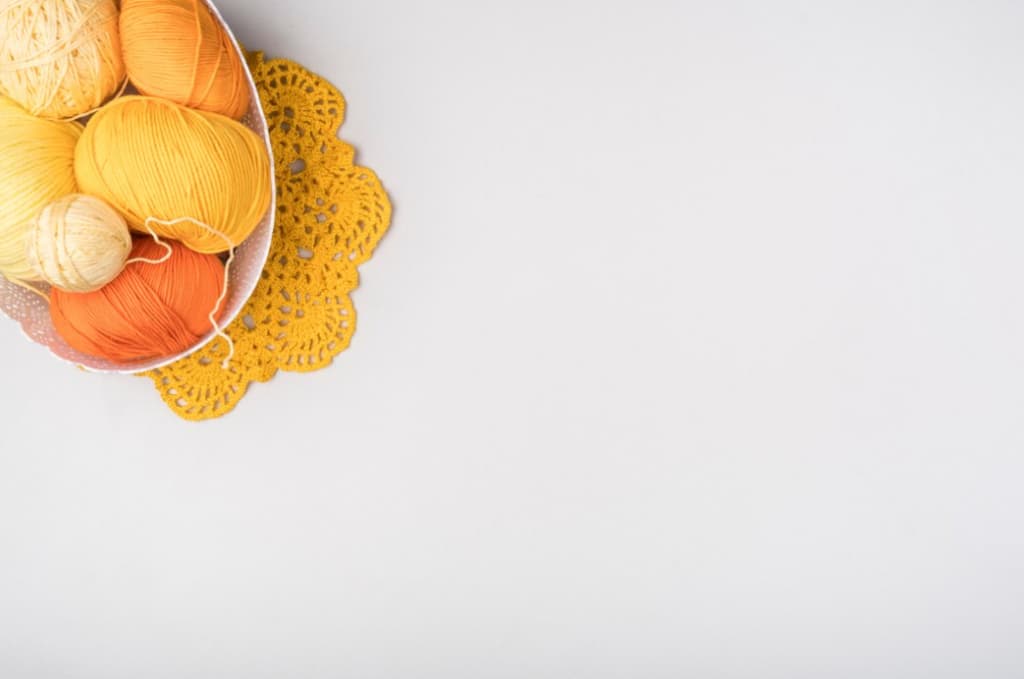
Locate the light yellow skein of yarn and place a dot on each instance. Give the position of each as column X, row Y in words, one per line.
column 60, row 58
column 78, row 243
column 37, row 166
column 193, row 176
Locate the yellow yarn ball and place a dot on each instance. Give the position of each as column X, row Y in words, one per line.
column 151, row 158
column 36, row 167
column 78, row 243
column 60, row 58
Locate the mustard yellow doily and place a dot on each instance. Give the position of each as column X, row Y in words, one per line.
column 331, row 214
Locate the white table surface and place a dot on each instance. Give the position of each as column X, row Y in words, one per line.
column 696, row 350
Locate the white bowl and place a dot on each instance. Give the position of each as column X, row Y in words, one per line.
column 33, row 313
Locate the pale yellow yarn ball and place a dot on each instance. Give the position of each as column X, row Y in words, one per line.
column 60, row 58
column 37, row 166
column 78, row 243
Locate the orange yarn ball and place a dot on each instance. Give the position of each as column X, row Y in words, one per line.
column 148, row 311
column 176, row 49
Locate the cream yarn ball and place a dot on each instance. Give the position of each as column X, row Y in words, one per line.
column 60, row 58
column 78, row 243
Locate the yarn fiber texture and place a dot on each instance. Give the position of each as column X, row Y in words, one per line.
column 36, row 168
column 60, row 58
column 151, row 158
column 148, row 311
column 78, row 243
column 176, row 50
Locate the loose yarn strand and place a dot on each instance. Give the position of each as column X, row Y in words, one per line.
column 156, row 239
column 218, row 330
column 120, row 92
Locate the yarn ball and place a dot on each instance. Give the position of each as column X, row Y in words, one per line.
column 78, row 243
column 151, row 158
column 176, row 49
column 60, row 58
column 148, row 311
column 36, row 167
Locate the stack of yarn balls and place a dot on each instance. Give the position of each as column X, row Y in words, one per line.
column 125, row 204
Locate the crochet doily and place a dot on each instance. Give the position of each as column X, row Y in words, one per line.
column 331, row 214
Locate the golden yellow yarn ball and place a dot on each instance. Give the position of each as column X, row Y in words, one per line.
column 151, row 158
column 37, row 166
column 176, row 49
column 60, row 58
column 78, row 243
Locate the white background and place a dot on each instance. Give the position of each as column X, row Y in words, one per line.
column 696, row 350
